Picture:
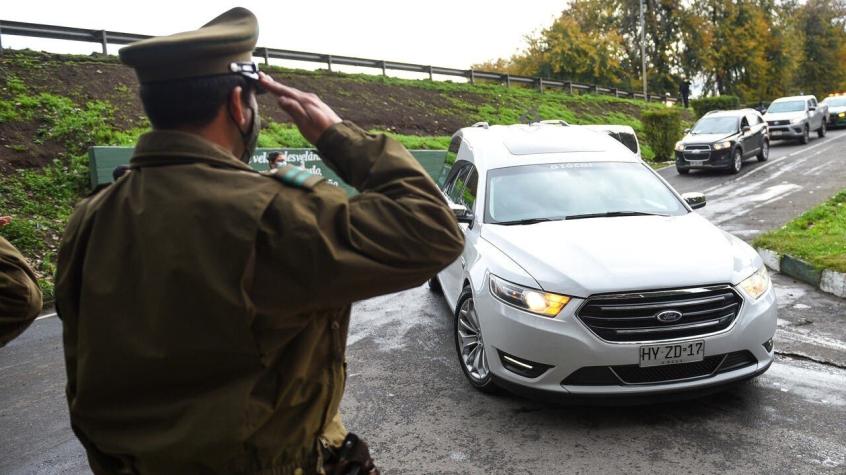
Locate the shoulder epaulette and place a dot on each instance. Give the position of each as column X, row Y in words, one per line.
column 295, row 177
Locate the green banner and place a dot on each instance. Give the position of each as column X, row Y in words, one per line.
column 103, row 161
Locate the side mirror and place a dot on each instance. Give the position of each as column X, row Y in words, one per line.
column 812, row 108
column 461, row 213
column 686, row 131
column 694, row 200
column 745, row 129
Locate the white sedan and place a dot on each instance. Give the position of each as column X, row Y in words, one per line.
column 584, row 273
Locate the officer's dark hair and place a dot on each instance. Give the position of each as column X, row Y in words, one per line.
column 273, row 156
column 189, row 102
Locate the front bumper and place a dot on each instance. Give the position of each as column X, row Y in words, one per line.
column 566, row 345
column 794, row 131
column 835, row 120
column 710, row 159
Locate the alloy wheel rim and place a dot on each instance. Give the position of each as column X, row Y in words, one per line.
column 766, row 150
column 471, row 345
column 738, row 159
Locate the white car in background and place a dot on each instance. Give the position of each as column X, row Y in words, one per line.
column 624, row 134
column 584, row 273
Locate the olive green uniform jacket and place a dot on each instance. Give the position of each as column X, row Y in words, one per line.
column 20, row 297
column 206, row 306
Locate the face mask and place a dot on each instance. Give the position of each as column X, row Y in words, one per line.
column 250, row 137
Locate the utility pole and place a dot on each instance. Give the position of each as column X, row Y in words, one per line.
column 643, row 49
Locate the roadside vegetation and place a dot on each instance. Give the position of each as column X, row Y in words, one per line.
column 818, row 236
column 53, row 107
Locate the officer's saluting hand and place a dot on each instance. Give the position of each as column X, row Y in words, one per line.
column 20, row 297
column 205, row 305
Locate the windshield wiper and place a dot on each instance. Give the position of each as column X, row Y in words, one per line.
column 613, row 214
column 527, row 221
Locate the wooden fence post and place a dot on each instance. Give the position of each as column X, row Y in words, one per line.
column 104, row 38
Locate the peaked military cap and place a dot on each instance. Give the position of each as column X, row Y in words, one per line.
column 222, row 46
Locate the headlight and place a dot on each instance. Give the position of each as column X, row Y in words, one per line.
column 535, row 301
column 722, row 145
column 797, row 120
column 679, row 147
column 842, row 114
column 756, row 284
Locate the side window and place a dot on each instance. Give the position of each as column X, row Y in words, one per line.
column 449, row 162
column 812, row 102
column 759, row 119
column 744, row 122
column 455, row 181
column 468, row 196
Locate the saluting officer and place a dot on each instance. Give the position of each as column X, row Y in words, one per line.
column 205, row 305
column 20, row 297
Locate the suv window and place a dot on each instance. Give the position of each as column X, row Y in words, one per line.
column 463, row 190
column 458, row 171
column 744, row 122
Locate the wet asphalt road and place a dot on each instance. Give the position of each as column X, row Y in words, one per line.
column 407, row 396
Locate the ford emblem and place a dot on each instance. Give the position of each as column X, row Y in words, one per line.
column 668, row 316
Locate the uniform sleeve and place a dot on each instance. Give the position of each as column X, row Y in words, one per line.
column 321, row 249
column 20, row 297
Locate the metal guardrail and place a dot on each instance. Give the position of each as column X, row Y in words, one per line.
column 105, row 37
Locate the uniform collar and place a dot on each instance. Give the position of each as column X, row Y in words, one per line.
column 167, row 147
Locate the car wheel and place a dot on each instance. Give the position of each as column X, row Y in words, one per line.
column 472, row 355
column 806, row 135
column 736, row 162
column 821, row 132
column 764, row 153
column 435, row 285
column 683, row 171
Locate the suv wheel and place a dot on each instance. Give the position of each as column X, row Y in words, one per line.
column 764, row 153
column 472, row 355
column 821, row 131
column 737, row 161
column 806, row 135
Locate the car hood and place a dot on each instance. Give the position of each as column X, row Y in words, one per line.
column 837, row 110
column 589, row 256
column 704, row 138
column 783, row 115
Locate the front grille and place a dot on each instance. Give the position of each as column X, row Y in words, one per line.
column 690, row 152
column 634, row 374
column 633, row 316
column 778, row 122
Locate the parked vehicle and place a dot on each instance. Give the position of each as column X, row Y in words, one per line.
column 585, row 273
column 796, row 117
column 624, row 134
column 722, row 140
column 836, row 109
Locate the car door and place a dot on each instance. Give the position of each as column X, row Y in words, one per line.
column 454, row 185
column 747, row 142
column 813, row 116
column 756, row 133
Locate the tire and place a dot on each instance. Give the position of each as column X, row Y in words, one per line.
column 822, row 130
column 435, row 285
column 764, row 153
column 469, row 343
column 736, row 162
column 683, row 171
column 806, row 135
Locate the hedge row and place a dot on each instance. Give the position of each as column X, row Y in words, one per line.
column 662, row 128
column 707, row 104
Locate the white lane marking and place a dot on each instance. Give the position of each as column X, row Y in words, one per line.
column 47, row 316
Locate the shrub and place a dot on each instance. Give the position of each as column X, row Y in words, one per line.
column 707, row 104
column 662, row 128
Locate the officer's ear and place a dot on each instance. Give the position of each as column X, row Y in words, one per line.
column 237, row 103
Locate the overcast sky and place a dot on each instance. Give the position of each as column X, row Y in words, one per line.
column 450, row 33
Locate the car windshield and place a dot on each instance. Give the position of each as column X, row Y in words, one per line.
column 835, row 101
column 786, row 106
column 715, row 125
column 531, row 193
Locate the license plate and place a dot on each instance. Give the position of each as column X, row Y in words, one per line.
column 696, row 162
column 659, row 355
column 775, row 133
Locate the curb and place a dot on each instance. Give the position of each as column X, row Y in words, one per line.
column 827, row 280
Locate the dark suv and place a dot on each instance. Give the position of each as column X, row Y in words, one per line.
column 722, row 139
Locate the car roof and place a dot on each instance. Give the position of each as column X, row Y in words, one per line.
column 499, row 146
column 611, row 128
column 730, row 113
column 794, row 98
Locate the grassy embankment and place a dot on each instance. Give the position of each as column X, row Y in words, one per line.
column 818, row 236
column 42, row 198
